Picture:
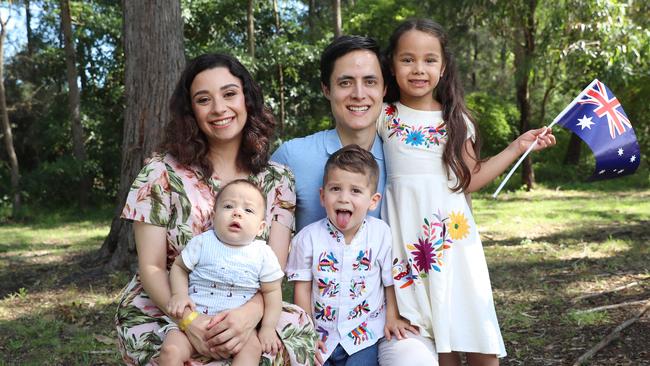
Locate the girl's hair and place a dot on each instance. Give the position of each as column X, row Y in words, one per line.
column 189, row 145
column 449, row 92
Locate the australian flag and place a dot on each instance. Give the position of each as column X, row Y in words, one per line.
column 597, row 117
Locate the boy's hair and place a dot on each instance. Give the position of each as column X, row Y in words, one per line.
column 353, row 158
column 449, row 93
column 242, row 182
column 343, row 45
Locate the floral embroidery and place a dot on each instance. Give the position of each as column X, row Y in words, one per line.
column 363, row 261
column 429, row 251
column 458, row 227
column 402, row 273
column 427, row 136
column 324, row 312
column 357, row 287
column 359, row 310
column 361, row 333
column 334, row 232
column 326, row 262
column 328, row 287
column 324, row 334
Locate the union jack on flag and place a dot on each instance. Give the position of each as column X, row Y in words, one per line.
column 597, row 117
column 606, row 106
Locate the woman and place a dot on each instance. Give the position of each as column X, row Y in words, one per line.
column 220, row 131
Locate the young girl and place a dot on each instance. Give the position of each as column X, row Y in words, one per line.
column 432, row 160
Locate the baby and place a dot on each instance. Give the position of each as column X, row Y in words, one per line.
column 224, row 268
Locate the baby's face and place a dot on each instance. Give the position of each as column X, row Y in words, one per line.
column 239, row 215
column 347, row 197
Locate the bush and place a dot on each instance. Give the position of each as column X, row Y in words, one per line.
column 56, row 183
column 494, row 118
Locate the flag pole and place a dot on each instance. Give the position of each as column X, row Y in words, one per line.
column 532, row 146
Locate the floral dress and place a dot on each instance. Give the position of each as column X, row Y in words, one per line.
column 441, row 277
column 175, row 196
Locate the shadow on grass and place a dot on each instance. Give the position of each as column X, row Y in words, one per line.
column 80, row 269
column 64, row 334
column 637, row 231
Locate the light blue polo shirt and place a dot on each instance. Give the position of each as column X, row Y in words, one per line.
column 306, row 157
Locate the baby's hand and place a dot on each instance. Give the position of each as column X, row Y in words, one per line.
column 398, row 326
column 177, row 304
column 269, row 340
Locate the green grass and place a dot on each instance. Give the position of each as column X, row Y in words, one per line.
column 543, row 248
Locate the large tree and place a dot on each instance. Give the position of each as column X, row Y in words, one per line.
column 74, row 103
column 154, row 58
column 6, row 128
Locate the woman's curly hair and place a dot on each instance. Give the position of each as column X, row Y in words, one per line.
column 188, row 144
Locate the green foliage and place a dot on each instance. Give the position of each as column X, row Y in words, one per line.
column 575, row 41
column 494, row 118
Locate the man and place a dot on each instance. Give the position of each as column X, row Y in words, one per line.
column 352, row 79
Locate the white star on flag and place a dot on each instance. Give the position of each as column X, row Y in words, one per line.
column 620, row 151
column 633, row 159
column 585, row 122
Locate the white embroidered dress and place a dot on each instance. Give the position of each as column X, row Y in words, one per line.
column 441, row 276
column 348, row 281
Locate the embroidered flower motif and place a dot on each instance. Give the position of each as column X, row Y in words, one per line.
column 415, row 138
column 427, row 136
column 458, row 226
column 428, row 252
column 424, row 256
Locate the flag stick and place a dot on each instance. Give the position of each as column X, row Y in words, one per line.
column 532, row 146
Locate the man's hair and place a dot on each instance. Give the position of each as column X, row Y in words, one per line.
column 343, row 45
column 353, row 158
column 242, row 182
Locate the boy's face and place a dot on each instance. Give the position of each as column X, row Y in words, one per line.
column 239, row 215
column 347, row 197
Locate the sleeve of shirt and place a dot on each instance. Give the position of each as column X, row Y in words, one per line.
column 149, row 197
column 271, row 269
column 281, row 155
column 192, row 252
column 300, row 258
column 283, row 198
column 471, row 132
column 380, row 121
column 385, row 257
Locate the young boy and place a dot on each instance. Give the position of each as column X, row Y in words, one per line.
column 341, row 265
column 225, row 267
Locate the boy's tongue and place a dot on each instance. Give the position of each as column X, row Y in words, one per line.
column 342, row 219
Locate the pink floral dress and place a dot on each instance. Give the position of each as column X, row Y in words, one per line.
column 169, row 194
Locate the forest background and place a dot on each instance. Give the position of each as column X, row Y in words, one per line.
column 67, row 126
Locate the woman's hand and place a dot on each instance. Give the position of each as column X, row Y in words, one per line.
column 229, row 330
column 196, row 332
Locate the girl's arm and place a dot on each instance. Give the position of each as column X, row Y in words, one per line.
column 497, row 164
column 302, row 295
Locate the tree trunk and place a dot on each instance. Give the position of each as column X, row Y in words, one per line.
column 311, row 15
column 6, row 129
column 524, row 50
column 78, row 139
column 338, row 23
column 572, row 156
column 28, row 27
column 251, row 28
column 154, row 59
column 276, row 13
